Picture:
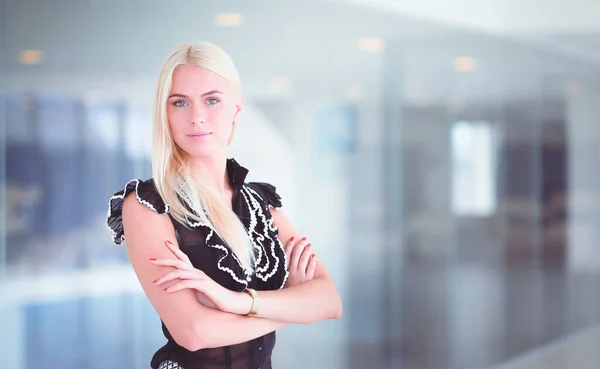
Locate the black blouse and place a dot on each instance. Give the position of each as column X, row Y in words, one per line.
column 251, row 202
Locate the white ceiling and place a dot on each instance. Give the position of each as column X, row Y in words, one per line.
column 312, row 40
column 498, row 16
column 313, row 43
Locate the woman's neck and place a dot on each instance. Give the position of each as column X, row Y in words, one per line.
column 213, row 173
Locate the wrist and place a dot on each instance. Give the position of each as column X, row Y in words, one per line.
column 244, row 303
column 255, row 307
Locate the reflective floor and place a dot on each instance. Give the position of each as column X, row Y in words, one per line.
column 577, row 351
column 99, row 318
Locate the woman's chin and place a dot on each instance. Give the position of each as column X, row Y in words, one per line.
column 203, row 152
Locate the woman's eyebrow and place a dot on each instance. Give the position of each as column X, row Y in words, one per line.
column 212, row 92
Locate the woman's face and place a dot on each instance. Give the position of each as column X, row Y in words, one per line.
column 201, row 109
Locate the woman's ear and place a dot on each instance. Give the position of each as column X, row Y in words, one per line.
column 239, row 104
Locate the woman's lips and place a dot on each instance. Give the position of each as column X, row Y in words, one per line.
column 199, row 135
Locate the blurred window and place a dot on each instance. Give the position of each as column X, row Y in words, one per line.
column 473, row 168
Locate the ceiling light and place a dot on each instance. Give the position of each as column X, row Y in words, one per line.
column 27, row 103
column 371, row 44
column 353, row 93
column 92, row 97
column 464, row 64
column 457, row 104
column 229, row 19
column 575, row 87
column 420, row 100
column 280, row 84
column 31, row 57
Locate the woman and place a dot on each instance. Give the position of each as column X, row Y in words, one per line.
column 216, row 256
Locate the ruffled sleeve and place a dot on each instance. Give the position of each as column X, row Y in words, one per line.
column 146, row 194
column 268, row 193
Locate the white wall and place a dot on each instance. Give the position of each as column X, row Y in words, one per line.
column 583, row 134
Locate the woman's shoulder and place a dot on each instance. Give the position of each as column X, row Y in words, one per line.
column 145, row 193
column 266, row 192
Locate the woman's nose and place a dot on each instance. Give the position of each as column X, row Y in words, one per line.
column 198, row 117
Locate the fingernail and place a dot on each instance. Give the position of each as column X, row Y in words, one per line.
column 291, row 239
column 154, row 281
column 152, row 259
column 169, row 242
column 166, row 289
column 313, row 256
column 307, row 246
column 303, row 238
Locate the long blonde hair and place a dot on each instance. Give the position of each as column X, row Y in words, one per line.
column 173, row 177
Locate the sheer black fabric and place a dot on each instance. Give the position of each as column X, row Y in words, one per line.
column 251, row 202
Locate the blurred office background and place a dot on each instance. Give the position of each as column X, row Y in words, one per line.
column 452, row 146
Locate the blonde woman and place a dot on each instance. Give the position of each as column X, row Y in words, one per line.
column 216, row 256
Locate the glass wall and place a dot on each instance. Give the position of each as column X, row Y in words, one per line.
column 453, row 170
column 490, row 186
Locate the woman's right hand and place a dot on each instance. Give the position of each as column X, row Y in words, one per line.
column 301, row 261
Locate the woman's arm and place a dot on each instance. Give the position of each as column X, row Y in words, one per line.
column 304, row 303
column 192, row 325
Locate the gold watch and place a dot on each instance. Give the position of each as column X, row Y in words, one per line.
column 255, row 301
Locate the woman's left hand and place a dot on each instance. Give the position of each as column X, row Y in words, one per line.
column 208, row 292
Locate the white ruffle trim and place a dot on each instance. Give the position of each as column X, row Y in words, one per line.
column 121, row 196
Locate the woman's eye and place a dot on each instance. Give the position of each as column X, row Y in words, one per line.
column 212, row 101
column 179, row 103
